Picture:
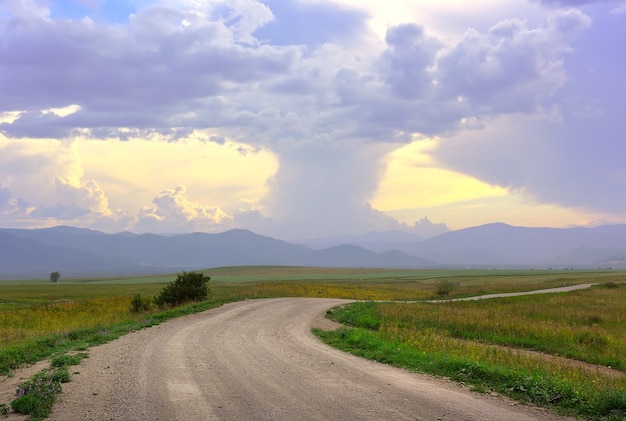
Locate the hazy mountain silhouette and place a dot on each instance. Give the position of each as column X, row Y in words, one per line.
column 374, row 240
column 505, row 245
column 25, row 258
column 72, row 251
column 82, row 252
column 502, row 245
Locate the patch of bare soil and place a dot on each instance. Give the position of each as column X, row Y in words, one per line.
column 323, row 323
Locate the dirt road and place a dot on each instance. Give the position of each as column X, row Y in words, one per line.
column 517, row 294
column 258, row 360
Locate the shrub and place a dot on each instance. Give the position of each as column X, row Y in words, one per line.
column 140, row 304
column 445, row 287
column 188, row 287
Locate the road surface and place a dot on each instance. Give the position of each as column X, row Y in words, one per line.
column 258, row 360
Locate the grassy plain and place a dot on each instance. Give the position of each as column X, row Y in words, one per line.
column 475, row 342
column 566, row 351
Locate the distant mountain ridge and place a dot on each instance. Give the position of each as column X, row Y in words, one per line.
column 506, row 245
column 34, row 253
column 502, row 245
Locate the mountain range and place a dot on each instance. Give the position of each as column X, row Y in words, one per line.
column 35, row 253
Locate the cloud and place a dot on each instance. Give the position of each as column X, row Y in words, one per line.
column 51, row 182
column 173, row 212
column 511, row 67
column 425, row 228
column 5, row 196
column 572, row 3
column 74, row 200
column 323, row 95
column 157, row 71
column 48, row 178
column 310, row 23
column 36, row 124
column 407, row 62
column 567, row 155
column 182, row 68
column 10, row 205
column 330, row 184
column 546, row 161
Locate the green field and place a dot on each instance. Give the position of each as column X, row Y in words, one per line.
column 485, row 344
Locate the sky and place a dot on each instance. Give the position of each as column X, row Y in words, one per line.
column 311, row 118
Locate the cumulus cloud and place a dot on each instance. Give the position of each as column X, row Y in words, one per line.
column 73, row 200
column 408, row 61
column 426, row 229
column 511, row 67
column 154, row 72
column 193, row 68
column 329, row 102
column 44, row 181
column 11, row 206
column 570, row 154
column 173, row 212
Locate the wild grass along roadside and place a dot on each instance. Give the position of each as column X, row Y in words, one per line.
column 477, row 343
column 39, row 319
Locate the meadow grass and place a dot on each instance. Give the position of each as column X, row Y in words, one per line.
column 37, row 309
column 485, row 343
column 39, row 319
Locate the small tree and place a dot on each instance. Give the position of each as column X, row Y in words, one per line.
column 54, row 277
column 188, row 287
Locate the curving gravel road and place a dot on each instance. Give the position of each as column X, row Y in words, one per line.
column 258, row 360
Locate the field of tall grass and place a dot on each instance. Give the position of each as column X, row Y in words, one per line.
column 479, row 340
column 566, row 351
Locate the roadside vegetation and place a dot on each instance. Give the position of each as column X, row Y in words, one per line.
column 473, row 342
column 565, row 351
column 36, row 396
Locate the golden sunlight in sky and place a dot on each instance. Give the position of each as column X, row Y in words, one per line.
column 411, row 180
column 413, row 187
column 230, row 175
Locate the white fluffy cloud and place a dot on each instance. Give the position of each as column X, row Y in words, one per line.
column 173, row 212
column 310, row 82
column 42, row 182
